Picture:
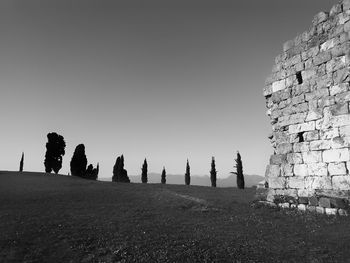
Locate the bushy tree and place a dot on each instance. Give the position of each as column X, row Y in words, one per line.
column 213, row 173
column 55, row 149
column 91, row 172
column 163, row 180
column 144, row 172
column 187, row 174
column 21, row 163
column 119, row 173
column 239, row 171
column 78, row 162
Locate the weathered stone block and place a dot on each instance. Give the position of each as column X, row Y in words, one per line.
column 342, row 98
column 319, row 210
column 320, row 145
column 303, row 200
column 307, row 126
column 342, row 212
column 278, row 159
column 278, row 85
column 277, row 182
column 340, row 109
column 317, row 94
column 273, row 171
column 324, row 202
column 341, row 182
column 301, row 147
column 313, row 201
column 284, row 148
column 311, row 136
column 287, row 170
column 340, row 142
column 317, row 169
column 296, row 182
column 312, row 157
column 336, row 155
column 322, row 57
column 319, row 18
column 337, row 89
column 301, row 170
column 331, row 211
column 330, row 133
column 338, row 203
column 311, row 208
column 302, row 207
column 318, row 183
column 294, row 158
column 337, row 168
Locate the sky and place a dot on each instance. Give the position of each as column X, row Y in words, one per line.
column 164, row 80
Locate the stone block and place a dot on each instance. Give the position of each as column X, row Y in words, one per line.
column 340, row 76
column 337, row 89
column 342, row 98
column 331, row 211
column 278, row 159
column 317, row 169
column 277, row 182
column 308, row 74
column 278, row 85
column 338, row 203
column 341, row 120
column 330, row 133
column 339, row 109
column 342, row 212
column 336, row 64
column 312, row 157
column 311, row 208
column 284, row 148
column 311, row 136
column 326, row 101
column 296, row 182
column 319, row 210
column 337, row 169
column 303, row 200
column 340, row 142
column 302, row 207
column 322, row 57
column 313, row 201
column 294, row 158
column 307, row 126
column 288, row 45
column 287, row 170
column 341, row 182
column 273, row 171
column 318, row 182
column 317, row 94
column 329, row 44
column 301, row 170
column 336, row 155
column 284, row 205
column 320, row 145
column 336, row 9
column 324, row 202
column 314, row 114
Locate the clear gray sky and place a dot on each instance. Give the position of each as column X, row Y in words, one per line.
column 166, row 80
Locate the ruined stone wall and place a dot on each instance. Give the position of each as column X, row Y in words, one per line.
column 307, row 96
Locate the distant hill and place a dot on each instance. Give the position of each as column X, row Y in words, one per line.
column 230, row 181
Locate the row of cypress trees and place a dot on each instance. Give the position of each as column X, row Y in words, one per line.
column 55, row 150
column 213, row 172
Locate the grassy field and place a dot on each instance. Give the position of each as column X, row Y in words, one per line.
column 50, row 218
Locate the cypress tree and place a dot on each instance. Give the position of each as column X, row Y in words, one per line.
column 187, row 174
column 119, row 173
column 79, row 161
column 21, row 163
column 213, row 173
column 239, row 171
column 163, row 180
column 55, row 149
column 144, row 172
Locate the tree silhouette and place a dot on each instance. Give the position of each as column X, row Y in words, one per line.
column 187, row 174
column 78, row 162
column 239, row 171
column 54, row 152
column 213, row 173
column 119, row 173
column 163, row 180
column 144, row 172
column 21, row 163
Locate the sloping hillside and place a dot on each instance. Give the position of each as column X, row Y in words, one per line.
column 50, row 218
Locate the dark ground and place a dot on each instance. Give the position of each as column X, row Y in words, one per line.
column 50, row 218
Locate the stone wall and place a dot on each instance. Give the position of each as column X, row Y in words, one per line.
column 307, row 96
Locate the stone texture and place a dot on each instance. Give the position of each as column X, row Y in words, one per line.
column 331, row 211
column 337, row 168
column 308, row 103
